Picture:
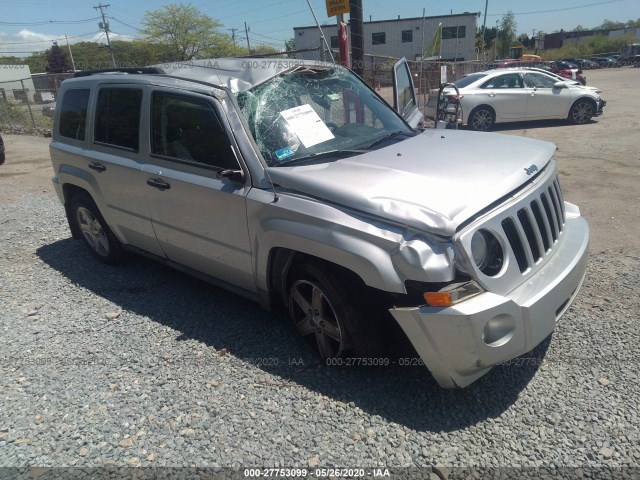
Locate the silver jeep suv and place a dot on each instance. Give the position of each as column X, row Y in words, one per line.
column 295, row 184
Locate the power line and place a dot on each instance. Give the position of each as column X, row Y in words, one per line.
column 48, row 40
column 47, row 22
column 557, row 9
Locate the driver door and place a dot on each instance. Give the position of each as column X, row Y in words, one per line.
column 404, row 94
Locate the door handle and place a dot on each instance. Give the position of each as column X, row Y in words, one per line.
column 97, row 166
column 157, row 183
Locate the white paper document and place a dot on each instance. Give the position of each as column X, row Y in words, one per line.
column 307, row 125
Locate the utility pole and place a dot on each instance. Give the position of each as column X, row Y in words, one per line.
column 233, row 35
column 357, row 36
column 70, row 53
column 484, row 27
column 323, row 40
column 104, row 25
column 246, row 32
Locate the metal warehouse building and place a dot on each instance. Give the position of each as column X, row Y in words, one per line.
column 401, row 37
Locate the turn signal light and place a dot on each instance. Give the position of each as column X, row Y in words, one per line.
column 453, row 294
column 438, row 299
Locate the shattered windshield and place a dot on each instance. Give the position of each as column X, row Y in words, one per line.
column 317, row 113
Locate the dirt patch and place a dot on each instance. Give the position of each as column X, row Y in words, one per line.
column 27, row 168
column 599, row 163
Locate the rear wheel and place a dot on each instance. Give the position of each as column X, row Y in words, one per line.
column 481, row 119
column 581, row 112
column 333, row 325
column 94, row 229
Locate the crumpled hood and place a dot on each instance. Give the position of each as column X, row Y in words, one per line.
column 433, row 181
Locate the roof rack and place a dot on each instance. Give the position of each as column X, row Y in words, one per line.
column 131, row 70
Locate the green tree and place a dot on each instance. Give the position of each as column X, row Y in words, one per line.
column 184, row 29
column 579, row 28
column 506, row 34
column 633, row 23
column 610, row 24
column 290, row 45
column 56, row 60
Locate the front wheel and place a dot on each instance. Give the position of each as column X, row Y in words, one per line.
column 94, row 229
column 481, row 119
column 581, row 112
column 325, row 318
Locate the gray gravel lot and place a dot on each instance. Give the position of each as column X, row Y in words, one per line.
column 139, row 365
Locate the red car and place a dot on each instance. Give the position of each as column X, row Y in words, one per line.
column 564, row 69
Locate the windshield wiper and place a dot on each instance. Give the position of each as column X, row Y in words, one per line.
column 319, row 155
column 386, row 137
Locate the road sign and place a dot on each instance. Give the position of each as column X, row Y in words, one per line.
column 337, row 7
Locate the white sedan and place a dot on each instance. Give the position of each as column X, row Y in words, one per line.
column 514, row 95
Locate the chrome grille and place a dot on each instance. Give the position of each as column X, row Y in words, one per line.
column 534, row 229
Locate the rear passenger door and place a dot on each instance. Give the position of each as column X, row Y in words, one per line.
column 507, row 95
column 196, row 188
column 114, row 160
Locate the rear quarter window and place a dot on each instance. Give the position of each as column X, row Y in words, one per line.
column 73, row 113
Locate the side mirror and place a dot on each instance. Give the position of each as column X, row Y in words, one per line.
column 560, row 85
column 233, row 175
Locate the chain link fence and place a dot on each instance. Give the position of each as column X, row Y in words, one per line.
column 27, row 105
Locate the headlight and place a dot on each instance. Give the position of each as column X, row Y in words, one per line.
column 479, row 249
column 486, row 253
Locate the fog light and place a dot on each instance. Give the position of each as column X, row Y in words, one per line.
column 499, row 330
column 452, row 294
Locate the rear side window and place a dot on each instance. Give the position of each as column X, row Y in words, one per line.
column 188, row 129
column 73, row 113
column 118, row 117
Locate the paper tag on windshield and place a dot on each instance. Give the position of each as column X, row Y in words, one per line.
column 307, row 125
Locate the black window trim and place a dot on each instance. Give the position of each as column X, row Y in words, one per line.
column 87, row 118
column 402, row 33
column 94, row 114
column 384, row 34
column 216, row 110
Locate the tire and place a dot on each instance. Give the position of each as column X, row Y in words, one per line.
column 581, row 112
column 94, row 229
column 481, row 119
column 321, row 312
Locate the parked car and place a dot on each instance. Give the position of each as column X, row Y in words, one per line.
column 606, row 62
column 295, row 184
column 568, row 70
column 2, row 157
column 565, row 69
column 513, row 95
column 49, row 110
column 560, row 78
column 582, row 63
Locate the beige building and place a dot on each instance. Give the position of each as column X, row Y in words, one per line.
column 398, row 38
column 16, row 83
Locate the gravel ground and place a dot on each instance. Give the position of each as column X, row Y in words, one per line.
column 139, row 365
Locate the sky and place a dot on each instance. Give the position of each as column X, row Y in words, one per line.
column 31, row 25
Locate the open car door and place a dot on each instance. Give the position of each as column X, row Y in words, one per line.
column 404, row 95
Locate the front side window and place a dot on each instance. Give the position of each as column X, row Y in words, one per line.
column 508, row 80
column 539, row 80
column 310, row 113
column 73, row 113
column 187, row 128
column 118, row 117
column 405, row 95
column 379, row 38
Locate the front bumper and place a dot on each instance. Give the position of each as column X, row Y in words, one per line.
column 459, row 344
